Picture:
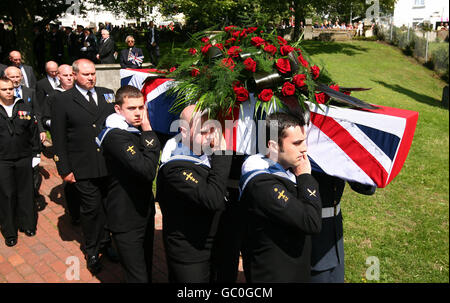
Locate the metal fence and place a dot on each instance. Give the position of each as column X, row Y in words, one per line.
column 430, row 47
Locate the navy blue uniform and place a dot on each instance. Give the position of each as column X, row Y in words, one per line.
column 18, row 143
column 327, row 257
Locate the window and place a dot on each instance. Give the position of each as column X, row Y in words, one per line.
column 419, row 3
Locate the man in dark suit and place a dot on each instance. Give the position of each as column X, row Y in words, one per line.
column 106, row 49
column 152, row 41
column 89, row 49
column 71, row 42
column 65, row 76
column 2, row 69
column 77, row 118
column 56, row 41
column 131, row 150
column 131, row 57
column 39, row 49
column 79, row 41
column 27, row 71
column 48, row 84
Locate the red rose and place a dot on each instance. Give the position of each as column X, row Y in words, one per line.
column 206, row 48
column 241, row 94
column 195, row 72
column 234, row 51
column 283, row 65
column 298, row 50
column 270, row 49
column 230, row 41
column 347, row 93
column 205, row 40
column 236, row 84
column 236, row 34
column 288, row 89
column 281, row 40
column 229, row 28
column 250, row 64
column 266, row 95
column 322, row 98
column 192, row 51
column 172, row 69
column 244, row 33
column 299, row 80
column 286, row 49
column 257, row 41
column 335, row 87
column 251, row 29
column 315, row 71
column 228, row 62
column 302, row 61
column 219, row 46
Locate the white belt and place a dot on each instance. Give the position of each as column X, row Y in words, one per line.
column 328, row 212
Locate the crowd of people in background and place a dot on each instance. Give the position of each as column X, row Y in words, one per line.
column 101, row 43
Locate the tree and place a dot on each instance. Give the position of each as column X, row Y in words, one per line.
column 23, row 15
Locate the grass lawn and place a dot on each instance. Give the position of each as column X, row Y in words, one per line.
column 406, row 224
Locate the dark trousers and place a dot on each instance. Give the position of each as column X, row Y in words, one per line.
column 135, row 250
column 17, row 207
column 72, row 200
column 189, row 273
column 91, row 193
column 228, row 242
column 333, row 275
column 153, row 52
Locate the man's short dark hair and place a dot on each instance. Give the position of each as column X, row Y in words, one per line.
column 282, row 121
column 3, row 78
column 127, row 91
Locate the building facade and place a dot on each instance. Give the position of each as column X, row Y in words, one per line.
column 416, row 12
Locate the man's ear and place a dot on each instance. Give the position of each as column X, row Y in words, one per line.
column 273, row 145
column 117, row 108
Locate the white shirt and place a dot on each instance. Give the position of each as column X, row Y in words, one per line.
column 9, row 108
column 84, row 93
column 25, row 77
column 52, row 81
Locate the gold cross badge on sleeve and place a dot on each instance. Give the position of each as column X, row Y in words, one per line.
column 281, row 194
column 149, row 143
column 131, row 150
column 189, row 177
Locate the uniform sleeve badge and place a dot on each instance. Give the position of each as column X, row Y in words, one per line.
column 189, row 178
column 131, row 150
column 56, row 158
column 281, row 195
column 109, row 98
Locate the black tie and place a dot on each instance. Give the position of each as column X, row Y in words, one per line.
column 91, row 99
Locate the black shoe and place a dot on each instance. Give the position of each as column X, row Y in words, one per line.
column 40, row 205
column 11, row 242
column 111, row 253
column 28, row 232
column 93, row 264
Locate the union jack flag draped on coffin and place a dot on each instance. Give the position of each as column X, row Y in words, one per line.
column 367, row 146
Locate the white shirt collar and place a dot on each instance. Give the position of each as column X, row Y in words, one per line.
column 84, row 93
column 52, row 82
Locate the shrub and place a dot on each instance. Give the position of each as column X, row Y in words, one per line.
column 440, row 57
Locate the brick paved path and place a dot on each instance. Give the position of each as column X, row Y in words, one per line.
column 42, row 258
